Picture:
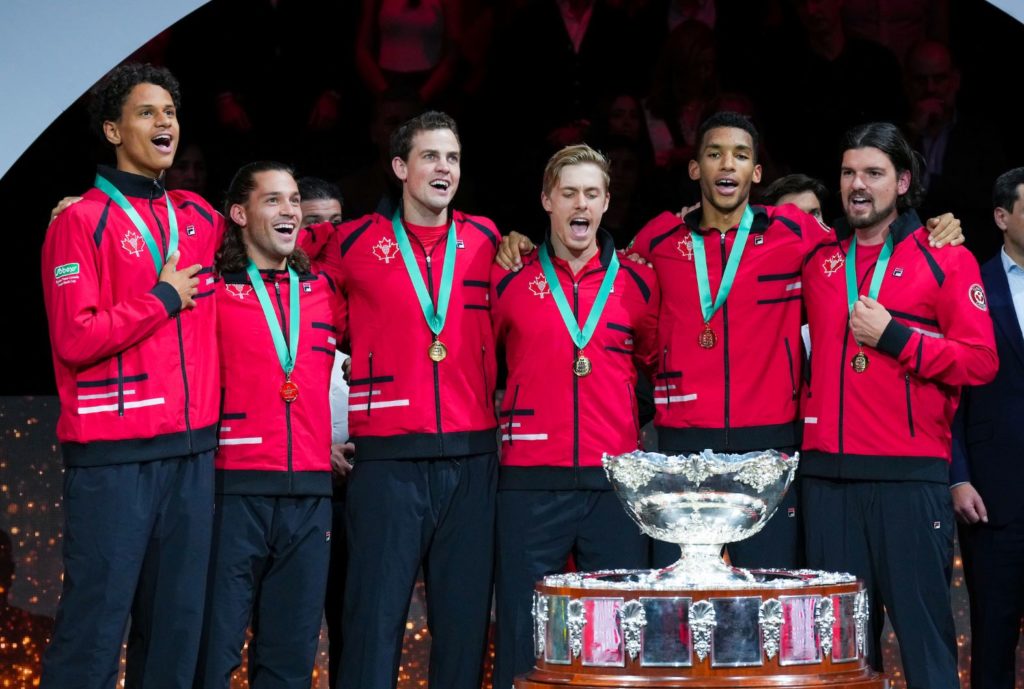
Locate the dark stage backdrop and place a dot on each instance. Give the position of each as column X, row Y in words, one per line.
column 31, row 477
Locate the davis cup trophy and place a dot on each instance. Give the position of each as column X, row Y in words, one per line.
column 699, row 622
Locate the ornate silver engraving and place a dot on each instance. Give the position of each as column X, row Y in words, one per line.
column 633, row 619
column 632, row 474
column 702, row 624
column 760, row 474
column 540, row 622
column 770, row 618
column 861, row 614
column 576, row 619
column 824, row 619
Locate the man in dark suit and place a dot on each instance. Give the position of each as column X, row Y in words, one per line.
column 987, row 474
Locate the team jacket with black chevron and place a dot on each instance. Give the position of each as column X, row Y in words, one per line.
column 555, row 425
column 403, row 405
column 892, row 421
column 743, row 393
column 137, row 377
column 268, row 446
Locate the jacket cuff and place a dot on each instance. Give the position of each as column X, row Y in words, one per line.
column 168, row 296
column 894, row 338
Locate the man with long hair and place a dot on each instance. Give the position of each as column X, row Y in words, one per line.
column 278, row 325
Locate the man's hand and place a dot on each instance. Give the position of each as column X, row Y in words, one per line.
column 341, row 453
column 968, row 505
column 511, row 250
column 184, row 282
column 346, row 370
column 62, row 205
column 687, row 209
column 944, row 230
column 868, row 321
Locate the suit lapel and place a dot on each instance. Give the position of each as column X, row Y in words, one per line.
column 1001, row 305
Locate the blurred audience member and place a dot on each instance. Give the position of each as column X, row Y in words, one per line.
column 960, row 153
column 897, row 24
column 409, row 46
column 189, row 170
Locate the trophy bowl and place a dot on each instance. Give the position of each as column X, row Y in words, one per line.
column 701, row 502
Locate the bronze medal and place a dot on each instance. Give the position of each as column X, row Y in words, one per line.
column 707, row 338
column 289, row 391
column 582, row 366
column 437, row 351
column 859, row 363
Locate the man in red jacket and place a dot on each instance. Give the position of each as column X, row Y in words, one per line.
column 278, row 326
column 896, row 329
column 594, row 322
column 421, row 414
column 135, row 357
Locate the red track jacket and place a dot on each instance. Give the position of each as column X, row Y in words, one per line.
column 401, row 403
column 268, row 446
column 742, row 394
column 893, row 420
column 554, row 425
column 137, row 379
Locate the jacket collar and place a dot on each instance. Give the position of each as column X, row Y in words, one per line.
column 761, row 220
column 131, row 184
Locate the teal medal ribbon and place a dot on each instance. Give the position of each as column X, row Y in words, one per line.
column 108, row 188
column 708, row 308
column 581, row 366
column 286, row 351
column 434, row 315
column 859, row 362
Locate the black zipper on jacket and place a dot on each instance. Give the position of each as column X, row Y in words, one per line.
column 483, row 371
column 725, row 344
column 842, row 388
column 668, row 390
column 792, row 373
column 120, row 386
column 631, row 391
column 575, row 391
column 287, row 405
column 437, row 373
column 512, row 413
column 184, row 381
column 910, row 413
column 181, row 338
column 369, row 392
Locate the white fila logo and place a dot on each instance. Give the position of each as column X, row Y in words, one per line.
column 190, row 230
column 898, row 273
column 759, row 240
column 306, row 287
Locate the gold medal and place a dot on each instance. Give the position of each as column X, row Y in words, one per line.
column 289, row 391
column 859, row 363
column 707, row 338
column 582, row 366
column 437, row 351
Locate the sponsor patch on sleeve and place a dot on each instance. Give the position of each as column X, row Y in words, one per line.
column 66, row 274
column 977, row 294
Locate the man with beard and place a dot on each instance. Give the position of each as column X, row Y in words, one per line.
column 896, row 328
column 729, row 366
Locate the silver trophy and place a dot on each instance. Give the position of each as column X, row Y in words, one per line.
column 700, row 618
column 701, row 502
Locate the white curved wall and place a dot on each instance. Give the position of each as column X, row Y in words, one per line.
column 51, row 51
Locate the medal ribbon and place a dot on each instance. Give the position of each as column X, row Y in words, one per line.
column 876, row 276
column 108, row 188
column 286, row 352
column 580, row 337
column 700, row 263
column 435, row 316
